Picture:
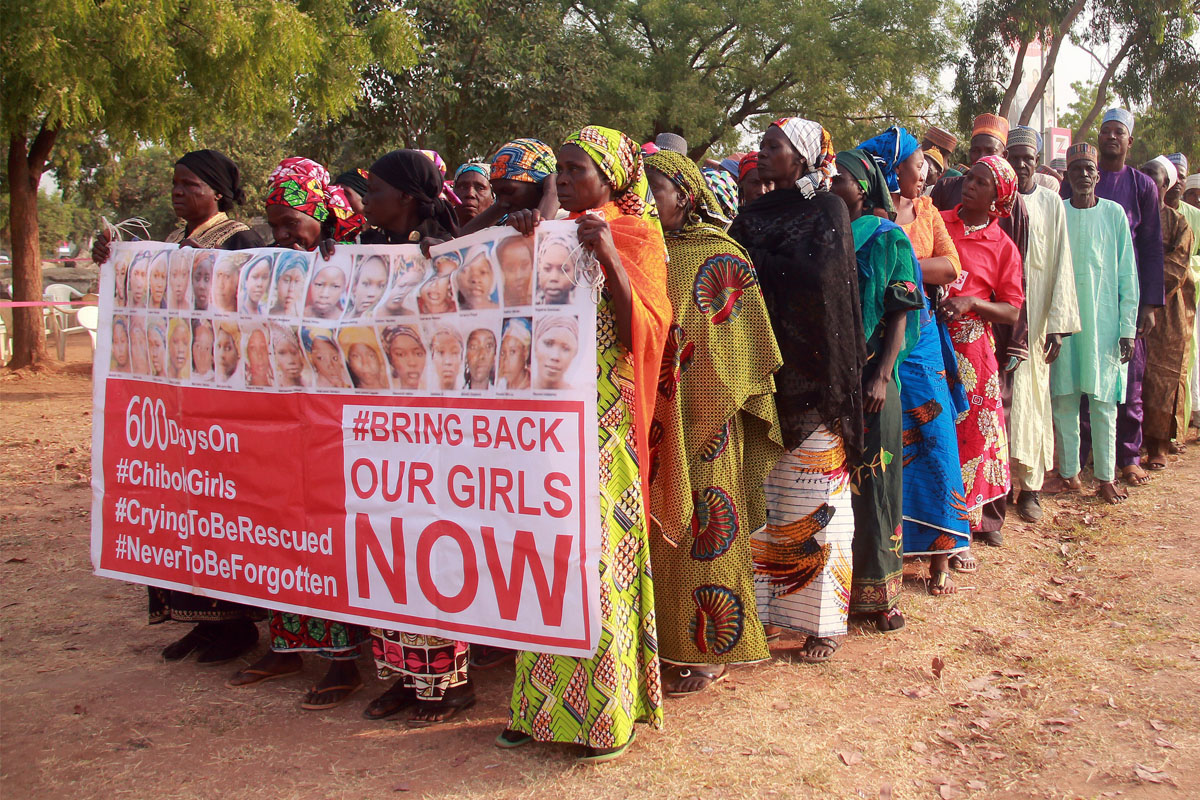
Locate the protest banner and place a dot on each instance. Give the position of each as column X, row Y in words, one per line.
column 379, row 437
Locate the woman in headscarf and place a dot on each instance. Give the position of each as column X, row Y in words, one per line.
column 888, row 281
column 473, row 190
column 518, row 176
column 354, row 183
column 204, row 186
column 931, row 395
column 717, row 438
column 304, row 209
column 990, row 292
column 751, row 186
column 404, row 201
column 799, row 239
column 596, row 701
column 516, row 344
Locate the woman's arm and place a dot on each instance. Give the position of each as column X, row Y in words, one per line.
column 595, row 235
column 875, row 387
column 993, row 311
column 939, row 270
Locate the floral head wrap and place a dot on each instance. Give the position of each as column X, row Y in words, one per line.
column 890, row 149
column 813, row 142
column 620, row 162
column 685, row 175
column 526, row 160
column 304, row 185
column 1006, row 184
column 725, row 188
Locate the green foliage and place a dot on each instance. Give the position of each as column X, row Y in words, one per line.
column 714, row 70
column 152, row 70
column 491, row 71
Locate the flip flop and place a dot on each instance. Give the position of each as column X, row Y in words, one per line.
column 682, row 672
column 262, row 676
column 957, row 558
column 391, row 702
column 349, row 689
column 1134, row 479
column 937, row 584
column 452, row 708
column 1155, row 465
column 818, row 641
column 885, row 618
column 502, row 741
column 603, row 755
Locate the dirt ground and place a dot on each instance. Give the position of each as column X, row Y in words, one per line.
column 1068, row 667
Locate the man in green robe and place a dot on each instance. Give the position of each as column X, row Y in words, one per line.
column 1092, row 362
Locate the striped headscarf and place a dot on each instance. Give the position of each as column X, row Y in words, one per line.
column 526, row 160
column 304, row 185
column 620, row 162
column 1006, row 184
column 813, row 142
column 725, row 188
column 683, row 172
column 472, row 166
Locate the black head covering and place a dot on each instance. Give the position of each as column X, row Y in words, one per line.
column 219, row 172
column 355, row 179
column 413, row 173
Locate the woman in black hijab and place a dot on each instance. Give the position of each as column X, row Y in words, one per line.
column 403, row 202
column 205, row 185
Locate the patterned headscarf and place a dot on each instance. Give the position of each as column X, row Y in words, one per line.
column 811, row 141
column 304, row 185
column 725, row 188
column 686, row 176
column 890, row 149
column 748, row 162
column 526, row 160
column 620, row 162
column 1006, row 184
column 447, row 186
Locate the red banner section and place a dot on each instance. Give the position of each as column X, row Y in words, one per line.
column 459, row 516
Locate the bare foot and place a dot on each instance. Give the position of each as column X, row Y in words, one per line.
column 1112, row 492
column 431, row 712
column 941, row 583
column 1057, row 484
column 268, row 668
column 341, row 681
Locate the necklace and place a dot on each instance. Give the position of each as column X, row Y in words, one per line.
column 968, row 229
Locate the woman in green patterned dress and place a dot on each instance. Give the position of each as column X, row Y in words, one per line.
column 716, row 437
column 594, row 702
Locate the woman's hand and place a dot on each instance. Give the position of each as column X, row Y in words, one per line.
column 428, row 242
column 596, row 237
column 525, row 220
column 326, row 248
column 100, row 249
column 874, row 391
column 952, row 308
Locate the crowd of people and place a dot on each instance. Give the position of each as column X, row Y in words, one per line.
column 812, row 364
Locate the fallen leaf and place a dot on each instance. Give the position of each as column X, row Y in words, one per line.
column 948, row 792
column 1152, row 775
column 781, row 706
column 938, row 665
column 1112, row 703
column 945, row 737
column 849, row 757
column 885, row 792
column 1161, row 742
column 979, row 683
column 1158, row 725
column 1053, row 597
column 917, row 692
column 981, row 723
column 16, row 560
column 400, row 787
column 1124, row 723
column 1057, row 581
column 919, row 747
column 978, row 786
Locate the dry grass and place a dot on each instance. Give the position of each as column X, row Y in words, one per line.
column 1070, row 658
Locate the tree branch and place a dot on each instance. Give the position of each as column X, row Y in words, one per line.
column 709, row 43
column 1014, row 83
column 1064, row 28
column 1102, row 87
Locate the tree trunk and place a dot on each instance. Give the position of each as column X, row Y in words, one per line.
column 1102, row 87
column 26, row 163
column 1064, row 28
column 1010, row 94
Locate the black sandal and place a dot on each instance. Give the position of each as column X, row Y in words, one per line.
column 675, row 674
column 452, row 703
column 391, row 702
column 198, row 636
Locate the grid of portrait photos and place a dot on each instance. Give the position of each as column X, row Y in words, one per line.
column 492, row 313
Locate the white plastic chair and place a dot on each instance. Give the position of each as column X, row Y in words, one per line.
column 89, row 319
column 63, row 316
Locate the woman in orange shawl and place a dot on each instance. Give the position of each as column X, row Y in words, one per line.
column 596, row 701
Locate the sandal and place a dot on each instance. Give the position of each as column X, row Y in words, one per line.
column 964, row 561
column 310, row 704
column 508, row 739
column 1156, row 463
column 1111, row 492
column 941, row 584
column 1134, row 475
column 812, row 643
column 393, row 701
column 599, row 755
column 199, row 636
column 889, row 621
column 452, row 703
column 258, row 675
column 701, row 676
column 1057, row 484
